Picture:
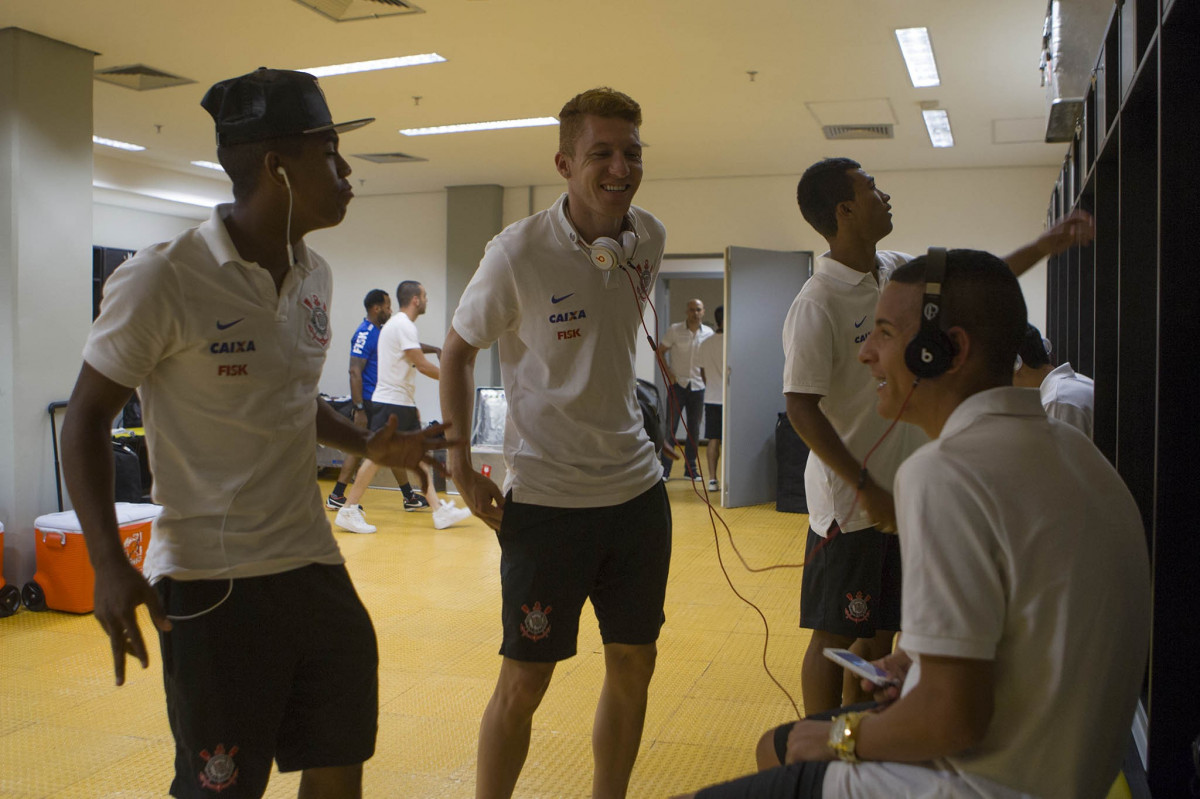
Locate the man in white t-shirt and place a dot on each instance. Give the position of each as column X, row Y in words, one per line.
column 583, row 513
column 850, row 588
column 401, row 357
column 268, row 654
column 685, row 395
column 1017, row 535
column 712, row 372
column 1066, row 394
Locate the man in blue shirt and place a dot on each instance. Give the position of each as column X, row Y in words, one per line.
column 364, row 369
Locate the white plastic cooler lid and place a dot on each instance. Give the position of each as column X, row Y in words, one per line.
column 67, row 522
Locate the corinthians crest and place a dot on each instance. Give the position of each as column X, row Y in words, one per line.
column 220, row 770
column 318, row 319
column 536, row 625
column 858, row 608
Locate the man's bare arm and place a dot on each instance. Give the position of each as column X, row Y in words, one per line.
column 88, row 472
column 811, row 424
column 948, row 711
column 480, row 494
column 422, row 364
column 1075, row 229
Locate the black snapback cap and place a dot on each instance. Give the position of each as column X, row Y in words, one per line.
column 270, row 103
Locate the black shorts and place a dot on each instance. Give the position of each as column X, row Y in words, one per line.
column 712, row 421
column 553, row 559
column 285, row 669
column 797, row 781
column 852, row 586
column 407, row 417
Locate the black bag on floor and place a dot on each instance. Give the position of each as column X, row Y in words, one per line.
column 128, row 472
column 791, row 455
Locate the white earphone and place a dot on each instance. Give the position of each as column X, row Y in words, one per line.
column 607, row 253
column 291, row 256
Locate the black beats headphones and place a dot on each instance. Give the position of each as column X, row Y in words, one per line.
column 931, row 351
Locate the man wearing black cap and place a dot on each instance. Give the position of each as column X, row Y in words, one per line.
column 268, row 654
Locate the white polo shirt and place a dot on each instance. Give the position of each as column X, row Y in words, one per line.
column 712, row 359
column 228, row 372
column 574, row 436
column 829, row 320
column 397, row 376
column 685, row 353
column 1021, row 545
column 1070, row 397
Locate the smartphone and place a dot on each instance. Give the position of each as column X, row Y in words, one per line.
column 863, row 668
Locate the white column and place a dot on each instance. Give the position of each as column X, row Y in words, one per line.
column 45, row 266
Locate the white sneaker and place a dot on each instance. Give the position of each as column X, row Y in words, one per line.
column 350, row 518
column 713, row 485
column 449, row 514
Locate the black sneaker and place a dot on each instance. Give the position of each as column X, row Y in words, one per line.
column 417, row 502
column 335, row 501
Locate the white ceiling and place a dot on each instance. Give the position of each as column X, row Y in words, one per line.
column 685, row 61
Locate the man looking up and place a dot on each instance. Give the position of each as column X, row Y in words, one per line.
column 850, row 592
column 583, row 513
column 686, row 392
column 364, row 368
column 1016, row 536
column 268, row 654
column 401, row 356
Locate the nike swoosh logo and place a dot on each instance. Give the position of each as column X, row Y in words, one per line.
column 859, row 323
column 228, row 325
column 557, row 300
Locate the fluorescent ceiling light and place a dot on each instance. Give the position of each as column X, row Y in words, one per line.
column 532, row 122
column 209, row 165
column 120, row 145
column 368, row 66
column 918, row 56
column 937, row 122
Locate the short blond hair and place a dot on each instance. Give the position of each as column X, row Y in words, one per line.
column 602, row 102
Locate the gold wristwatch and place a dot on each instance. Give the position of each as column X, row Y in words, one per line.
column 843, row 734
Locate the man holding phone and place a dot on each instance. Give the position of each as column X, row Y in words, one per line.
column 1016, row 534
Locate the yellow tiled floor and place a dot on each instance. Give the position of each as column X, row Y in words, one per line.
column 66, row 731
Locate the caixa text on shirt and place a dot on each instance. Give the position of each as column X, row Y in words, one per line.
column 568, row 316
column 226, row 347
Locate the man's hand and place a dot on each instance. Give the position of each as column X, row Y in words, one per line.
column 879, row 505
column 359, row 417
column 896, row 665
column 409, row 450
column 809, row 742
column 481, row 495
column 1074, row 230
column 120, row 588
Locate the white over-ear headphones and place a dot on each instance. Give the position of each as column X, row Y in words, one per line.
column 607, row 253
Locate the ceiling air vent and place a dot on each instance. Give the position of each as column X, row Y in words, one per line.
column 140, row 77
column 858, row 131
column 389, row 158
column 350, row 10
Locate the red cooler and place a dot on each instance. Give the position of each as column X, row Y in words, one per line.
column 65, row 579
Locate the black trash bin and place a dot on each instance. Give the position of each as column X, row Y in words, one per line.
column 791, row 454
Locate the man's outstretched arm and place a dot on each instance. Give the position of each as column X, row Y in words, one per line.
column 1075, row 229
